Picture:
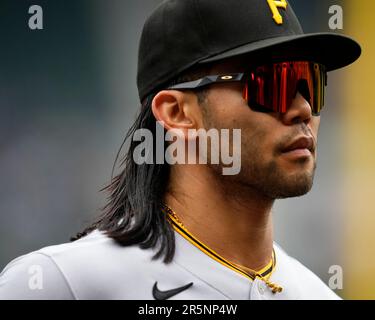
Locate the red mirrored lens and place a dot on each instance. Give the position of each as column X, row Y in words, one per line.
column 273, row 87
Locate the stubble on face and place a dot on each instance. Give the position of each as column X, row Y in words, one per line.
column 263, row 170
column 269, row 175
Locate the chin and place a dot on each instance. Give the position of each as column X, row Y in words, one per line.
column 293, row 193
column 296, row 186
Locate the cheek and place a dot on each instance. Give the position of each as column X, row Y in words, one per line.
column 257, row 140
column 227, row 105
column 230, row 111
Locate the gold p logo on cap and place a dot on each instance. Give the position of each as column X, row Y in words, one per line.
column 274, row 5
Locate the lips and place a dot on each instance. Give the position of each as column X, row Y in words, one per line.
column 301, row 143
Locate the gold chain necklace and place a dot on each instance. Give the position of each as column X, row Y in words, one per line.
column 172, row 216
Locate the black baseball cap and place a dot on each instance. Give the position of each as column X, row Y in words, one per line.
column 180, row 34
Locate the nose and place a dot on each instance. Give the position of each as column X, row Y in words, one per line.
column 298, row 112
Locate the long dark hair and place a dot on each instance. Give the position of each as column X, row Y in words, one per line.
column 133, row 213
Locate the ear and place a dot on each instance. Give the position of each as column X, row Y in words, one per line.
column 177, row 110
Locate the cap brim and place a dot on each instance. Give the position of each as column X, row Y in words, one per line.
column 332, row 50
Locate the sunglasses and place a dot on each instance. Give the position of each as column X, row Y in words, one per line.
column 272, row 87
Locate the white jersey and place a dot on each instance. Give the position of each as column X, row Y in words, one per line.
column 96, row 267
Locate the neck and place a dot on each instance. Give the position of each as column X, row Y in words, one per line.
column 232, row 219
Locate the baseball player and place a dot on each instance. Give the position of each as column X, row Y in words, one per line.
column 188, row 231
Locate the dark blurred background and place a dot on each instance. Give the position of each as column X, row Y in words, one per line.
column 67, row 97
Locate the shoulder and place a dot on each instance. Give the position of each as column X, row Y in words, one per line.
column 300, row 280
column 73, row 270
column 33, row 276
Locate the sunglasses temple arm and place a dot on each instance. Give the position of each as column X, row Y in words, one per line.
column 208, row 80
